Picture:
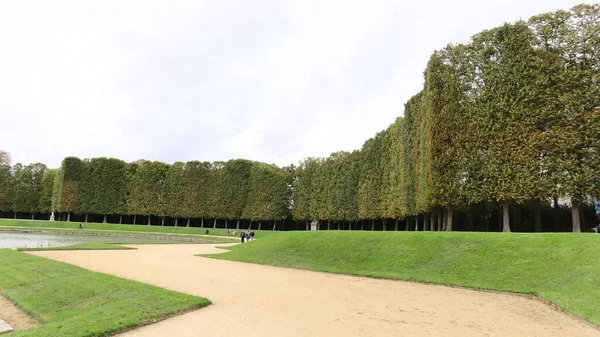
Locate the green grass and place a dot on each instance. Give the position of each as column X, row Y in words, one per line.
column 72, row 301
column 82, row 246
column 563, row 269
column 60, row 226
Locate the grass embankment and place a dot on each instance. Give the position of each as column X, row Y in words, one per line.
column 82, row 246
column 72, row 301
column 193, row 232
column 560, row 268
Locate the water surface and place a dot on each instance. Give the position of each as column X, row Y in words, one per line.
column 41, row 240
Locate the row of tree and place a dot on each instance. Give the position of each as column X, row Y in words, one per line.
column 511, row 117
column 232, row 190
column 25, row 189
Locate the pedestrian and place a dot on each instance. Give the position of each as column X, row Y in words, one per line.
column 597, row 229
column 252, row 235
column 80, row 226
column 242, row 236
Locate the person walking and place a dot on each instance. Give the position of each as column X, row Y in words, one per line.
column 242, row 236
column 598, row 215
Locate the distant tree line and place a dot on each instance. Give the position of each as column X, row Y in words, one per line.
column 506, row 123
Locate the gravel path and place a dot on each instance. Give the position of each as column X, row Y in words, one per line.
column 14, row 317
column 255, row 300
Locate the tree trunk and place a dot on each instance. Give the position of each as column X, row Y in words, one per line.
column 120, row 219
column 149, row 220
column 417, row 223
column 259, row 223
column 328, row 224
column 384, row 225
column 215, row 223
column 372, row 224
column 362, row 225
column 274, row 224
column 237, row 224
column 407, row 223
column 445, row 220
column 505, row 216
column 425, row 221
column 487, row 222
column 307, row 225
column 537, row 218
column 201, row 222
column 104, row 219
column 32, row 216
column 15, row 215
column 134, row 218
column 162, row 222
column 470, row 225
column 432, row 218
column 86, row 218
column 450, row 226
column 516, row 217
column 176, row 221
column 555, row 213
column 396, row 225
column 226, row 221
column 188, row 222
column 440, row 221
column 576, row 217
column 69, row 217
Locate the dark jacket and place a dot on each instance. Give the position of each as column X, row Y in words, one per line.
column 598, row 207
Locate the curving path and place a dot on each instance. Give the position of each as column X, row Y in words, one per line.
column 255, row 300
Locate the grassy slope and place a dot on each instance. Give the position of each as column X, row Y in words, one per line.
column 561, row 268
column 72, row 301
column 82, row 246
column 130, row 229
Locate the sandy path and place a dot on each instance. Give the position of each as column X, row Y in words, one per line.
column 255, row 300
column 14, row 316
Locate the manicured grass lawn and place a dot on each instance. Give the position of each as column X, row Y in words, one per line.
column 82, row 246
column 563, row 269
column 72, row 301
column 127, row 229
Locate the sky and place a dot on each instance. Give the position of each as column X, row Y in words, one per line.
column 271, row 81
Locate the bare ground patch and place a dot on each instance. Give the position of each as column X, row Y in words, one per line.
column 15, row 317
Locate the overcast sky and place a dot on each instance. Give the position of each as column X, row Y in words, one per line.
column 272, row 81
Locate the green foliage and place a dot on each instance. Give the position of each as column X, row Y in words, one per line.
column 28, row 186
column 268, row 197
column 45, row 204
column 374, row 161
column 67, row 184
column 302, row 189
column 395, row 201
column 235, row 185
column 102, row 189
column 147, row 189
column 6, row 188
